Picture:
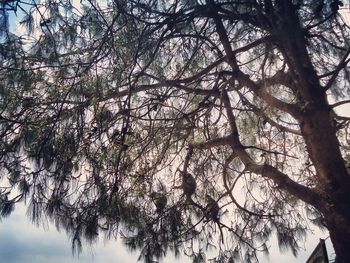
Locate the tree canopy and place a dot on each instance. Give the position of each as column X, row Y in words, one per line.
column 184, row 125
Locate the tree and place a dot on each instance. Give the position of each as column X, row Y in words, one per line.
column 108, row 106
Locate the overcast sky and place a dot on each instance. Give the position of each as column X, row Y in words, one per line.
column 22, row 242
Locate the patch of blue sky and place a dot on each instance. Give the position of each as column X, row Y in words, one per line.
column 15, row 14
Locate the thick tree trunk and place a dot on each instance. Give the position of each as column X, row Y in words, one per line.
column 333, row 180
column 339, row 230
column 318, row 129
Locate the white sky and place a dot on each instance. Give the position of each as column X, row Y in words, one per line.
column 22, row 242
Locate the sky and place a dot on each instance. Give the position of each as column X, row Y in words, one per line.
column 23, row 242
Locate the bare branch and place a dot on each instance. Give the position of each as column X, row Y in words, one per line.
column 211, row 143
column 343, row 62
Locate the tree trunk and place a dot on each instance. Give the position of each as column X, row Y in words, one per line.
column 318, row 129
column 339, row 230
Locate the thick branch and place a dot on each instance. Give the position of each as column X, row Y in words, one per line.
column 212, row 143
column 244, row 79
column 273, row 123
column 282, row 180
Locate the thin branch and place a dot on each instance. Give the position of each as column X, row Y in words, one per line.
column 230, row 189
column 244, row 79
column 273, row 123
column 304, row 193
column 212, row 143
column 270, row 152
column 339, row 103
column 340, row 66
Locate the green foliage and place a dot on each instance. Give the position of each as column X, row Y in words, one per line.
column 6, row 207
column 124, row 115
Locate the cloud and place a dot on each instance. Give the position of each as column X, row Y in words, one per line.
column 21, row 241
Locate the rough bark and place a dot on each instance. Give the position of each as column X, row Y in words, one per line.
column 339, row 231
column 318, row 131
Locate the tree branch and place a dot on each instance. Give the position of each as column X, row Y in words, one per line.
column 339, row 103
column 244, row 79
column 212, row 143
column 273, row 123
column 343, row 62
column 304, row 193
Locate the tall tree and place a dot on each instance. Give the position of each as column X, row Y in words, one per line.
column 173, row 120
